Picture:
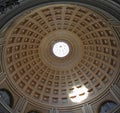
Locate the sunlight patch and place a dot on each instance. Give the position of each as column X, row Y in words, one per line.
column 78, row 94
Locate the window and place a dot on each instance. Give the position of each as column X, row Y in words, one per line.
column 33, row 112
column 6, row 96
column 107, row 106
column 1, row 111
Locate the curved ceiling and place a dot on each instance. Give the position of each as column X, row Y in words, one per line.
column 85, row 72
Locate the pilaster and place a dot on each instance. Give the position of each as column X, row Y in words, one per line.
column 87, row 108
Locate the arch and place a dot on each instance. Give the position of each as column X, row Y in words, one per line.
column 6, row 97
column 107, row 106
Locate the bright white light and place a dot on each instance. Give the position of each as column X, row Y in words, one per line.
column 78, row 94
column 60, row 49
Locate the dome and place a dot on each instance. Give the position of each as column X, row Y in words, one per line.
column 79, row 70
column 60, row 57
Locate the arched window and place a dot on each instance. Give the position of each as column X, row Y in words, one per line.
column 33, row 111
column 7, row 97
column 107, row 106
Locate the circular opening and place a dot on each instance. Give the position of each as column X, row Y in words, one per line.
column 60, row 49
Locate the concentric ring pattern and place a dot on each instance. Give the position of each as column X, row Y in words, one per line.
column 36, row 72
